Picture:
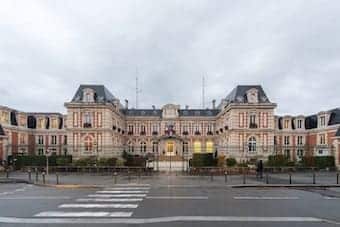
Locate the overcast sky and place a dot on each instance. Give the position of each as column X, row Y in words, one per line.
column 291, row 48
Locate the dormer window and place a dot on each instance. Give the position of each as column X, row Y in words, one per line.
column 252, row 96
column 286, row 124
column 322, row 121
column 88, row 95
column 299, row 123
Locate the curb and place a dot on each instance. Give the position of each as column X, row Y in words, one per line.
column 69, row 186
column 13, row 181
column 286, row 186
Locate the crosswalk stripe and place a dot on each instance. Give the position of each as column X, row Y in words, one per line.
column 118, row 195
column 83, row 214
column 110, row 200
column 77, row 205
column 121, row 192
column 264, row 198
column 128, row 188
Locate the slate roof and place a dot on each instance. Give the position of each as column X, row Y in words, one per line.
column 311, row 121
column 334, row 117
column 198, row 112
column 2, row 132
column 337, row 132
column 239, row 94
column 143, row 112
column 101, row 92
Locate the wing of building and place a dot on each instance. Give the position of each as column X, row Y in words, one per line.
column 243, row 125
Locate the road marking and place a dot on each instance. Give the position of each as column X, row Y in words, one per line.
column 138, row 221
column 118, row 195
column 331, row 198
column 122, row 206
column 35, row 197
column 83, row 214
column 110, row 200
column 177, row 197
column 264, row 198
column 132, row 184
column 129, row 188
column 121, row 192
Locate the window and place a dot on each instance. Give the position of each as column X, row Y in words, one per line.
column 22, row 139
column 87, row 120
column 185, row 147
column 75, row 119
column 287, row 153
column 300, row 153
column 142, row 130
column 65, row 140
column 154, row 128
column 53, row 140
column 252, row 120
column 154, row 147
column 241, row 116
column 142, row 147
column 299, row 140
column 40, row 140
column 320, row 152
column 54, row 123
column 322, row 139
column 88, row 142
column 322, row 121
column 130, row 147
column 252, row 144
column 130, row 129
column 197, row 147
column 286, row 124
column 286, row 140
column 299, row 123
column 209, row 146
column 41, row 123
column 41, row 151
column 99, row 119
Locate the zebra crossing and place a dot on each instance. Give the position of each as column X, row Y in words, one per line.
column 113, row 202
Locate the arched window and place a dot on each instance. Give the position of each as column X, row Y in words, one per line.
column 88, row 143
column 142, row 147
column 252, row 144
column 197, row 147
column 130, row 147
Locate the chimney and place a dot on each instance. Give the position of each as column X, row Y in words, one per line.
column 126, row 104
column 186, row 107
column 214, row 104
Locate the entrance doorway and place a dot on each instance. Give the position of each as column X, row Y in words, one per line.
column 170, row 148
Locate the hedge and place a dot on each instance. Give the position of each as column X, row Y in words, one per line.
column 203, row 160
column 40, row 160
column 321, row 162
column 279, row 161
column 231, row 162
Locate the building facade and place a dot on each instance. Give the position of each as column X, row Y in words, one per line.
column 243, row 125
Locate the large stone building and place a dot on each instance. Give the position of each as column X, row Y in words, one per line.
column 243, row 126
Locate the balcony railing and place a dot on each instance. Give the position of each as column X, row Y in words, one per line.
column 197, row 133
column 154, row 133
column 252, row 125
column 87, row 125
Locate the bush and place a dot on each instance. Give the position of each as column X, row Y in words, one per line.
column 321, row 162
column 135, row 161
column 279, row 161
column 40, row 160
column 231, row 162
column 90, row 161
column 203, row 160
column 63, row 160
column 107, row 162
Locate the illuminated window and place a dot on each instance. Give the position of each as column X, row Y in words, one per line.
column 209, row 146
column 286, row 124
column 170, row 147
column 54, row 123
column 197, row 147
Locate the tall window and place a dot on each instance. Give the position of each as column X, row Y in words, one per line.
column 322, row 121
column 40, row 140
column 299, row 123
column 75, row 119
column 54, row 123
column 130, row 129
column 87, row 120
column 185, row 147
column 88, row 142
column 286, row 140
column 130, row 147
column 299, row 140
column 53, row 140
column 252, row 120
column 322, row 139
column 154, row 147
column 197, row 147
column 142, row 129
column 252, row 144
column 209, row 146
column 142, row 147
column 154, row 128
column 286, row 124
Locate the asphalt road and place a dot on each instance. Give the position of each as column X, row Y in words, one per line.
column 167, row 205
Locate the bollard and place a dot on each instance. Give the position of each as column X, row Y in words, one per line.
column 7, row 173
column 313, row 177
column 290, row 178
column 43, row 177
column 36, row 176
column 337, row 178
column 29, row 175
column 267, row 178
column 226, row 177
column 115, row 177
column 57, row 178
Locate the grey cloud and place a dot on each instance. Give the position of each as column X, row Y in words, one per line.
column 47, row 48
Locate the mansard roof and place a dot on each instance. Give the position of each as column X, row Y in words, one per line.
column 2, row 132
column 239, row 94
column 101, row 92
column 338, row 132
column 182, row 112
column 198, row 112
column 334, row 117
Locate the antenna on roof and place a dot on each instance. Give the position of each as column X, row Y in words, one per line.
column 203, row 92
column 137, row 89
